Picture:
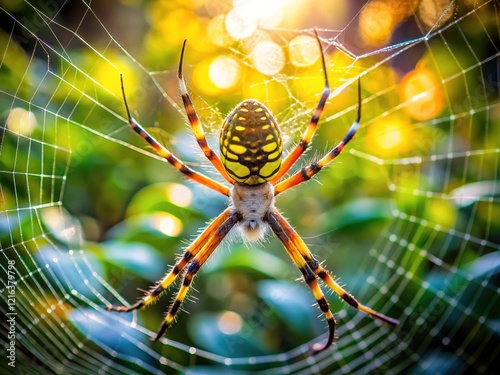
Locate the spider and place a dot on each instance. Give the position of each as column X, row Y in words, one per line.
column 251, row 161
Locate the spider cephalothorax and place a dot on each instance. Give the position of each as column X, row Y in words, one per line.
column 251, row 148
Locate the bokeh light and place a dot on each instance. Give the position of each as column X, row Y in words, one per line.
column 442, row 212
column 304, row 50
column 60, row 221
column 259, row 36
column 379, row 19
column 389, row 136
column 167, row 224
column 230, row 322
column 179, row 195
column 201, row 78
column 375, row 23
column 83, row 155
column 240, row 25
column 21, row 121
column 106, row 74
column 268, row 58
column 217, row 33
column 246, row 16
column 175, row 24
column 432, row 11
column 269, row 14
column 422, row 94
column 224, row 72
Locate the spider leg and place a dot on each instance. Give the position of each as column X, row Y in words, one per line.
column 288, row 238
column 299, row 149
column 170, row 157
column 192, row 250
column 324, row 274
column 308, row 172
column 194, row 121
column 195, row 264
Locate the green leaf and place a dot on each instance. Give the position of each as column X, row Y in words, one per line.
column 468, row 194
column 294, row 305
column 139, row 258
column 259, row 261
column 355, row 212
column 158, row 197
column 159, row 230
column 205, row 330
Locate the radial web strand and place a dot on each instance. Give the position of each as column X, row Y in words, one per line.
column 406, row 217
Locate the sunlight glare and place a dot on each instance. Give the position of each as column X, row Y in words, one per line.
column 246, row 16
column 267, row 13
column 239, row 24
column 175, row 25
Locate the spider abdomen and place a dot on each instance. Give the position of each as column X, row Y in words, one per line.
column 250, row 143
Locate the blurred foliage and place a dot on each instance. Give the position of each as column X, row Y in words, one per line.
column 117, row 204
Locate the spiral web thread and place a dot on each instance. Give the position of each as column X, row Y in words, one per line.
column 459, row 320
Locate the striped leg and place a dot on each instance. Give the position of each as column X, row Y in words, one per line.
column 324, row 274
column 292, row 157
column 171, row 158
column 194, row 121
column 286, row 235
column 308, row 172
column 193, row 249
column 194, row 266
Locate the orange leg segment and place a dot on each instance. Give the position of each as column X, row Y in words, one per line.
column 170, row 157
column 295, row 245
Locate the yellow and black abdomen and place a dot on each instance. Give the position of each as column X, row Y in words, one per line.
column 250, row 143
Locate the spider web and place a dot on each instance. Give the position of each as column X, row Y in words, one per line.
column 433, row 263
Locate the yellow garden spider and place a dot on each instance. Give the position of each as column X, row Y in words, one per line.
column 250, row 148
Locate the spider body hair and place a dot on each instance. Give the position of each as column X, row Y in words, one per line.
column 253, row 203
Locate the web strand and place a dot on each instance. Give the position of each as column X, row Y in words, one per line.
column 420, row 187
